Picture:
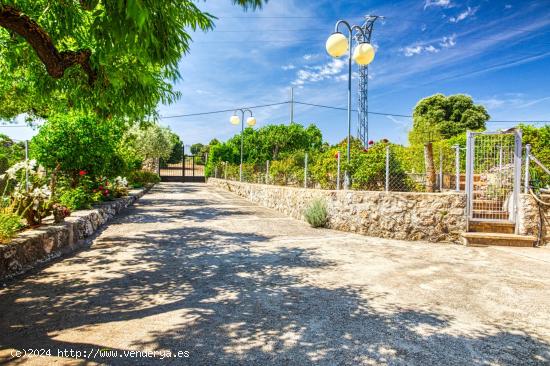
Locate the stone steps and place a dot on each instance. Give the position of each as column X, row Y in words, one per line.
column 491, row 227
column 500, row 239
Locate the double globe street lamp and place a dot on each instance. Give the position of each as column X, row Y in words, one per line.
column 337, row 45
column 250, row 121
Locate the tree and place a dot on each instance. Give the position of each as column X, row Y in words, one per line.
column 439, row 117
column 197, row 148
column 149, row 142
column 114, row 57
column 177, row 150
column 78, row 142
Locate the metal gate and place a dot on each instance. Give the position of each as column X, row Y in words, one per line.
column 190, row 169
column 493, row 175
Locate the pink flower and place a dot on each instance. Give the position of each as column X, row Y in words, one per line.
column 371, row 142
column 82, row 172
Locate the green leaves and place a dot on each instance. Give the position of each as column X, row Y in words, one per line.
column 135, row 49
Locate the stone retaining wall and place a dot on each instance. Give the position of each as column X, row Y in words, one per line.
column 40, row 245
column 397, row 215
column 532, row 217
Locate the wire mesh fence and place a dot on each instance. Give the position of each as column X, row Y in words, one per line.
column 390, row 168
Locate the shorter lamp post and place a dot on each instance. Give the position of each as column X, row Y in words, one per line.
column 250, row 121
column 337, row 45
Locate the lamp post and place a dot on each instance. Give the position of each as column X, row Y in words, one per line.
column 337, row 45
column 250, row 121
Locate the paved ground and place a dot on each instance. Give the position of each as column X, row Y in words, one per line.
column 191, row 268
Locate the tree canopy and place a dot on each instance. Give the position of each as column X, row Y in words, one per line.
column 440, row 117
column 116, row 58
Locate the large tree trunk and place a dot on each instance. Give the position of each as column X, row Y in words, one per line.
column 430, row 168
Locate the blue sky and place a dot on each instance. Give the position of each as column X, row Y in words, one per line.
column 496, row 51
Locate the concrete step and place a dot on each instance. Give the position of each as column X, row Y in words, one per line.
column 491, row 227
column 500, row 239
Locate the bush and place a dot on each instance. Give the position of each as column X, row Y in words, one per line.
column 10, row 224
column 139, row 178
column 316, row 213
column 76, row 199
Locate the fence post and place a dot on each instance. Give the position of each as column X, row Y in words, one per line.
column 527, row 161
column 440, row 169
column 267, row 172
column 457, row 167
column 27, row 163
column 338, row 172
column 305, row 171
column 387, row 168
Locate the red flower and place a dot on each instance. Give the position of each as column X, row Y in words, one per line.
column 336, row 155
column 365, row 149
column 82, row 172
column 101, row 188
column 371, row 142
column 106, row 191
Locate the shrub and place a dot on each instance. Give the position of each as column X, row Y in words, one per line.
column 76, row 199
column 139, row 178
column 10, row 224
column 316, row 213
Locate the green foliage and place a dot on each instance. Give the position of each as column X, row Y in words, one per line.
column 316, row 213
column 148, row 141
column 134, row 47
column 197, row 148
column 539, row 139
column 177, row 149
column 439, row 117
column 76, row 199
column 270, row 142
column 10, row 224
column 78, row 142
column 140, row 178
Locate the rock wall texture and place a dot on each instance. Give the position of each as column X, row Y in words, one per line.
column 40, row 245
column 532, row 217
column 397, row 215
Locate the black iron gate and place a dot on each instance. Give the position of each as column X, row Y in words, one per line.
column 190, row 169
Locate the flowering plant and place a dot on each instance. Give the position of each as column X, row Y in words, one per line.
column 31, row 195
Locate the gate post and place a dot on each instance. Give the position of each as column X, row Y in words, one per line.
column 387, row 168
column 527, row 161
column 457, row 167
column 338, row 172
column 305, row 171
column 517, row 176
column 183, row 168
column 469, row 173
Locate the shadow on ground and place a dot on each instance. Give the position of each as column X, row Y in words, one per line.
column 234, row 305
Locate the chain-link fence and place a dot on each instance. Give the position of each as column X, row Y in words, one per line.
column 436, row 168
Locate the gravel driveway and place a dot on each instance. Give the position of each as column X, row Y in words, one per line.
column 199, row 271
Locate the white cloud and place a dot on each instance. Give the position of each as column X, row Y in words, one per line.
column 508, row 6
column 448, row 42
column 312, row 74
column 442, row 3
column 288, row 67
column 465, row 14
column 431, row 49
column 412, row 50
column 308, row 57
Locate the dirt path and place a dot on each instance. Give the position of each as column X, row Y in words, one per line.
column 193, row 269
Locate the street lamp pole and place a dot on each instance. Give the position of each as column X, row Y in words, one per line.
column 251, row 121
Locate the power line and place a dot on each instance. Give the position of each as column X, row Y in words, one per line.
column 221, row 111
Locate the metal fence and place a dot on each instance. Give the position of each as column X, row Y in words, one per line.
column 396, row 168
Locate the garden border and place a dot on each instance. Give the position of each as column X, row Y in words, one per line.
column 32, row 248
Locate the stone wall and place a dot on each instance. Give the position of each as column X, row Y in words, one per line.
column 33, row 247
column 398, row 215
column 530, row 215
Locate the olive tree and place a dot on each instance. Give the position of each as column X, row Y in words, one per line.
column 440, row 117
